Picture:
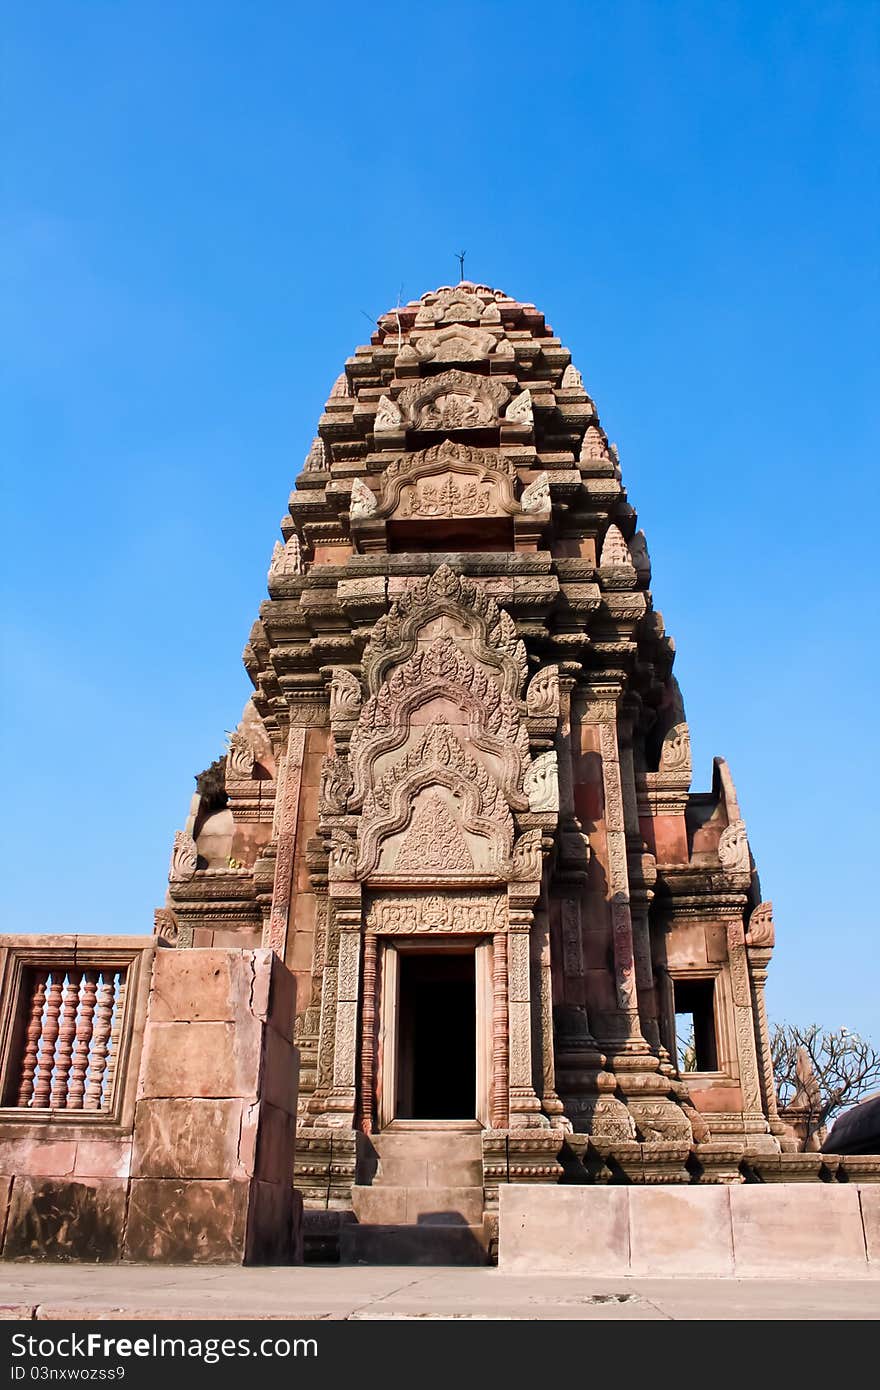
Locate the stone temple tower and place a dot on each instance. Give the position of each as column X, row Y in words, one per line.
column 459, row 806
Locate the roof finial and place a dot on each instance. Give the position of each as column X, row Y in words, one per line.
column 459, row 256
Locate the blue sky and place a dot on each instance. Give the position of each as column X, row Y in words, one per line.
column 200, row 204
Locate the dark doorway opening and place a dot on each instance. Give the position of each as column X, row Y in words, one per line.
column 437, row 1056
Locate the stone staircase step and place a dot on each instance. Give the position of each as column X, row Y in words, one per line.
column 382, row 1204
column 426, row 1158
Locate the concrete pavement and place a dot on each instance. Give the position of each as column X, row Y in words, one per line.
column 151, row 1292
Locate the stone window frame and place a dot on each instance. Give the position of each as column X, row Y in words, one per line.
column 21, row 954
column 725, row 1039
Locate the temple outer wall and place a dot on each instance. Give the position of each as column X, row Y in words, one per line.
column 756, row 1230
column 197, row 1164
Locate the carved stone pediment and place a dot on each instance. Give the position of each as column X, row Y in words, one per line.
column 455, row 304
column 404, row 799
column 455, row 343
column 454, row 400
column 492, row 630
column 449, row 480
column 442, row 672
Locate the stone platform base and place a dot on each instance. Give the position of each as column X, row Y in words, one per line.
column 763, row 1230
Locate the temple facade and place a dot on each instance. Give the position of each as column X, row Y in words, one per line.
column 459, row 807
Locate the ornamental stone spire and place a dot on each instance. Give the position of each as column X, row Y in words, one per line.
column 465, row 819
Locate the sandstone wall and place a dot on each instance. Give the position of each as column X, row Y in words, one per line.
column 196, row 1162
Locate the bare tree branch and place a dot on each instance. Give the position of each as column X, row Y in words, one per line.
column 845, row 1066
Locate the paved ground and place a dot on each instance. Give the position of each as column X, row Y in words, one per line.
column 150, row 1292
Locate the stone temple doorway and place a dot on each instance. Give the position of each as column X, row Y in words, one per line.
column 436, row 1038
column 434, row 1042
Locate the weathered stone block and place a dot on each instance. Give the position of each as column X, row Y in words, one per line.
column 206, row 986
column 201, row 1060
column 782, row 1228
column 58, row 1219
column 38, row 1157
column 869, row 1198
column 182, row 1222
column 563, row 1230
column 680, row 1230
column 275, row 1144
column 280, row 1078
column 187, row 1139
column 103, row 1158
column 274, row 1231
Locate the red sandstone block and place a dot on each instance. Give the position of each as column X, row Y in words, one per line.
column 38, row 1157
column 201, row 1060
column 725, row 1098
column 302, row 954
column 189, row 1139
column 178, row 1222
column 562, row 1230
column 103, row 1158
column 670, row 840
column 680, row 1230
column 280, row 1079
column 201, row 986
column 282, row 1007
column 274, row 1229
column 869, row 1198
column 237, row 939
column 63, row 1219
column 797, row 1228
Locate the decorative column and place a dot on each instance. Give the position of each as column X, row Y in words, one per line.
column 368, row 1036
column 754, row 1120
column 500, row 1083
column 642, row 876
column 618, row 880
column 550, row 1101
column 760, row 940
column 525, row 1107
column 287, row 815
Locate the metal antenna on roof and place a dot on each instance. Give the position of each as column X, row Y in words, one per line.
column 459, row 256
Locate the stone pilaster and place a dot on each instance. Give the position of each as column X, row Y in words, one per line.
column 287, row 815
column 525, row 1107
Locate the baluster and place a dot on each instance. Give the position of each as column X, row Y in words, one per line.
column 32, row 1037
column 66, row 1034
column 46, row 1062
column 79, row 1066
column 100, row 1042
column 115, row 1035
